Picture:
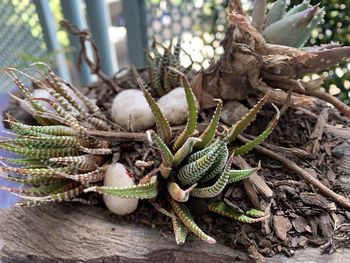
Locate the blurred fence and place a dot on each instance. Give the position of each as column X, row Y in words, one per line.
column 22, row 39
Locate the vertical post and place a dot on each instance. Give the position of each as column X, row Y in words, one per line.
column 136, row 26
column 50, row 36
column 99, row 21
column 72, row 12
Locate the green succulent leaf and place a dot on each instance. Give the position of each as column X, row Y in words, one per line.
column 250, row 145
column 184, row 151
column 163, row 126
column 142, row 191
column 238, row 175
column 255, row 213
column 154, row 77
column 180, row 231
column 242, row 124
column 185, row 216
column 276, row 12
column 38, row 153
column 192, row 113
column 259, row 12
column 195, row 156
column 222, row 208
column 217, row 166
column 213, row 190
column 192, row 172
column 208, row 135
column 305, row 35
column 289, row 29
column 165, row 153
column 298, row 8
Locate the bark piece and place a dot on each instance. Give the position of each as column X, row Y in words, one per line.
column 233, row 111
column 301, row 224
column 318, row 130
column 281, row 225
column 66, row 233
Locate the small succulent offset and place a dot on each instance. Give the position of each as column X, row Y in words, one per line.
column 163, row 80
column 197, row 167
column 59, row 158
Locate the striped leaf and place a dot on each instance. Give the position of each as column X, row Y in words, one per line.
column 192, row 112
column 242, row 124
column 222, row 208
column 163, row 126
column 185, row 216
column 141, row 191
column 250, row 145
column 208, row 135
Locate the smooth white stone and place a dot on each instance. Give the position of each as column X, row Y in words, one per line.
column 130, row 109
column 117, row 176
column 174, row 106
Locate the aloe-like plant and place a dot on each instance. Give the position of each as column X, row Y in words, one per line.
column 267, row 52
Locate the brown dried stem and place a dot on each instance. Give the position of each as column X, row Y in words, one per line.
column 95, row 67
column 118, row 135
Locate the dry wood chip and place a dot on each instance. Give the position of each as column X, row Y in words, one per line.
column 281, row 225
column 315, row 199
column 326, row 225
column 301, row 224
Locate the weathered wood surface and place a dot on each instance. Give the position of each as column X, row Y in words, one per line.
column 65, row 233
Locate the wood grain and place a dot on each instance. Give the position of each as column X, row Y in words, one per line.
column 76, row 233
column 66, row 233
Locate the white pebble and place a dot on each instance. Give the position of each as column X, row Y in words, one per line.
column 174, row 106
column 130, row 109
column 117, row 176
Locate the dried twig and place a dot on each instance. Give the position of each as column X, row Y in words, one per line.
column 316, row 135
column 118, row 135
column 341, row 200
column 95, row 67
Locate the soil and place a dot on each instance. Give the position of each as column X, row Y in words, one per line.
column 300, row 215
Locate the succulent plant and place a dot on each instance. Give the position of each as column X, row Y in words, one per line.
column 194, row 166
column 163, row 80
column 266, row 53
column 58, row 158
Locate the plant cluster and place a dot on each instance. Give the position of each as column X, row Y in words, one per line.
column 59, row 157
column 160, row 58
column 61, row 161
column 194, row 166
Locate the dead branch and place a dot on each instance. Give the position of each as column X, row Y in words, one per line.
column 95, row 67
